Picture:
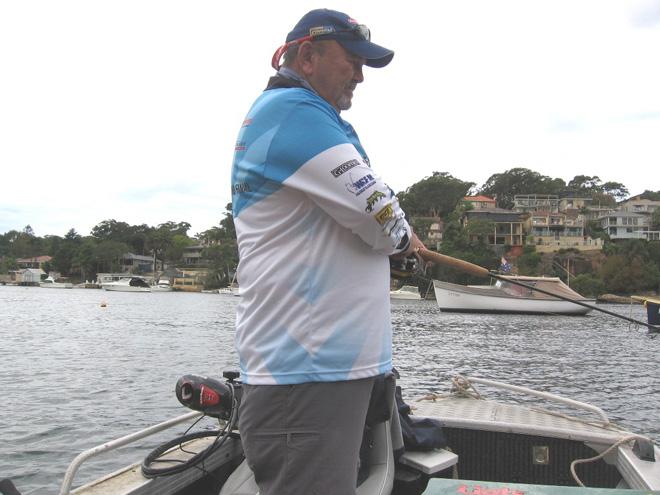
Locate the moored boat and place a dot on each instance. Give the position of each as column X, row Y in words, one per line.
column 162, row 286
column 507, row 297
column 49, row 283
column 408, row 292
column 492, row 446
column 128, row 284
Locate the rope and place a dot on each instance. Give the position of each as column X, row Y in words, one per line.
column 600, row 456
column 461, row 387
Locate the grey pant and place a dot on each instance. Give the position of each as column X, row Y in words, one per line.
column 304, row 439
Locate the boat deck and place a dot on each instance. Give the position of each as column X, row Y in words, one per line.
column 489, row 415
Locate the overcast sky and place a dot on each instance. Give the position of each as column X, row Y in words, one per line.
column 129, row 110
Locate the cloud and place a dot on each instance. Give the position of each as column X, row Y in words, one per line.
column 646, row 14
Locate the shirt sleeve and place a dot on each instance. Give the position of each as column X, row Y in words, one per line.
column 312, row 153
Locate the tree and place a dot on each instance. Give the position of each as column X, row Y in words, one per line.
column 108, row 254
column 85, row 261
column 529, row 261
column 161, row 239
column 177, row 246
column 221, row 250
column 615, row 190
column 434, row 196
column 588, row 284
column 584, row 185
column 507, row 185
column 630, row 267
column 65, row 253
column 653, row 196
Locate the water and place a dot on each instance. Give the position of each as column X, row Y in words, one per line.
column 75, row 374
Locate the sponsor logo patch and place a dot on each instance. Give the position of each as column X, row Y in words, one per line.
column 385, row 214
column 372, row 200
column 357, row 187
column 318, row 31
column 240, row 187
column 344, row 167
column 240, row 146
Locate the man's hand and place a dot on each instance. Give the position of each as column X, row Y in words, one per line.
column 413, row 249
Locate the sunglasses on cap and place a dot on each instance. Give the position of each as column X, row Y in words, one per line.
column 359, row 30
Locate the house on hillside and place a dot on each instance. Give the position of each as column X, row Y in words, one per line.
column 638, row 205
column 507, row 225
column 137, row 263
column 536, row 202
column 480, row 202
column 552, row 231
column 34, row 262
column 192, row 255
column 628, row 225
column 568, row 203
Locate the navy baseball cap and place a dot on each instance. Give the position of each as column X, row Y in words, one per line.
column 326, row 24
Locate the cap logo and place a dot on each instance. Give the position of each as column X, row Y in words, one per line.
column 320, row 30
column 352, row 21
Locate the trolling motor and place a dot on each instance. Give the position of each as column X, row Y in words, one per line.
column 212, row 397
column 208, row 395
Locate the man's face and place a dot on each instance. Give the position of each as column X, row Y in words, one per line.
column 336, row 72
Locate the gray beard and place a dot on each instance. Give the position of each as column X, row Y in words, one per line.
column 344, row 103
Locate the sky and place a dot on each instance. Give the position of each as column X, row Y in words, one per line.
column 129, row 110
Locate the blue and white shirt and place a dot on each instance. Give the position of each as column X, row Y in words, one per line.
column 315, row 226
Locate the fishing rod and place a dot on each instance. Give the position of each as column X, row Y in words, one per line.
column 480, row 271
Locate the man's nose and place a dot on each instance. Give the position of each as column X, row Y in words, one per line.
column 358, row 76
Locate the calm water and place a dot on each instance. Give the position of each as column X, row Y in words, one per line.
column 76, row 374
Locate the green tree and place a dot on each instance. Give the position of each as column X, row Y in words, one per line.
column 584, row 185
column 108, row 255
column 615, row 190
column 161, row 240
column 65, row 252
column 177, row 246
column 652, row 195
column 85, row 261
column 588, row 285
column 505, row 186
column 221, row 250
column 434, row 196
column 529, row 261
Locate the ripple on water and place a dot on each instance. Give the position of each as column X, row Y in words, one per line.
column 78, row 374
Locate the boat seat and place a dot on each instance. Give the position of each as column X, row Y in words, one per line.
column 379, row 482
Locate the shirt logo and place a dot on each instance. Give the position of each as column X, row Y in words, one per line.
column 385, row 214
column 372, row 200
column 357, row 187
column 240, row 187
column 321, row 30
column 344, row 167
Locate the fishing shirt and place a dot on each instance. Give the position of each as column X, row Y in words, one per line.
column 315, row 225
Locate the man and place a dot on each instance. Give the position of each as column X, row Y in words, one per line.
column 315, row 226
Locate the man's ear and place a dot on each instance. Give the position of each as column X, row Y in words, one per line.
column 306, row 54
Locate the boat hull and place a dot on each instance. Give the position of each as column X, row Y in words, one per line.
column 125, row 288
column 466, row 299
column 405, row 296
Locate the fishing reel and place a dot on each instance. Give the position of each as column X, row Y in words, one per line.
column 211, row 396
column 405, row 267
